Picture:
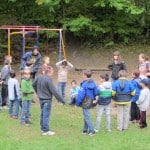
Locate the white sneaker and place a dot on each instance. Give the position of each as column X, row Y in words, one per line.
column 96, row 130
column 48, row 133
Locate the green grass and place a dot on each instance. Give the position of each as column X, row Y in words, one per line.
column 67, row 123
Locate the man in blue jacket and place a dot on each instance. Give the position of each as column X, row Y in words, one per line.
column 31, row 59
column 89, row 90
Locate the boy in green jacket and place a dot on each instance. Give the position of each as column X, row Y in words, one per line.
column 27, row 97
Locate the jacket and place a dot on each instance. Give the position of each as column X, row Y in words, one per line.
column 5, row 74
column 27, row 57
column 63, row 72
column 116, row 68
column 74, row 91
column 45, row 89
column 13, row 89
column 122, row 91
column 105, row 93
column 27, row 90
column 144, row 100
column 136, row 84
column 88, row 88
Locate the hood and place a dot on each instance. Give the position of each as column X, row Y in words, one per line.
column 106, row 85
column 90, row 84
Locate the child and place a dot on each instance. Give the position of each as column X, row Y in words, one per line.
column 117, row 65
column 135, row 113
column 73, row 92
column 45, row 90
column 122, row 90
column 105, row 95
column 14, row 95
column 88, row 90
column 46, row 62
column 63, row 67
column 5, row 74
column 144, row 66
column 27, row 96
column 143, row 102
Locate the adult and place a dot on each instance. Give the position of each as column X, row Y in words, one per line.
column 144, row 66
column 117, row 65
column 32, row 60
column 45, row 90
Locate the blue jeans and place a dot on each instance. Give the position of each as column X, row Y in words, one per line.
column 13, row 107
column 62, row 88
column 45, row 114
column 25, row 113
column 88, row 125
column 0, row 100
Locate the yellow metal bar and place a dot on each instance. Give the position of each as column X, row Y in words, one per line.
column 63, row 48
column 8, row 42
column 13, row 33
column 28, row 47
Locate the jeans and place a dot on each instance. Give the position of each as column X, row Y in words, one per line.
column 13, row 107
column 88, row 125
column 4, row 94
column 62, row 88
column 135, row 112
column 143, row 123
column 45, row 106
column 72, row 100
column 101, row 109
column 123, row 116
column 25, row 113
column 0, row 100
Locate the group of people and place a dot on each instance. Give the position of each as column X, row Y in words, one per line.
column 87, row 95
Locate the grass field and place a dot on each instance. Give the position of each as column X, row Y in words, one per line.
column 67, row 123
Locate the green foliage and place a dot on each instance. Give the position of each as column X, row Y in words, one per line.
column 90, row 20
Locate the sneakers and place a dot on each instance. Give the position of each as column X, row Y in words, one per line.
column 84, row 132
column 96, row 130
column 91, row 133
column 48, row 133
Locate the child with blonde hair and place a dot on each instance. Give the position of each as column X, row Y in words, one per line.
column 46, row 62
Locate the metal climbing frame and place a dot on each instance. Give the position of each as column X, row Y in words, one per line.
column 28, row 29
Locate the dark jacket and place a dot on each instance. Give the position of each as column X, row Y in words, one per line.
column 45, row 88
column 88, row 88
column 122, row 90
column 116, row 68
column 27, row 57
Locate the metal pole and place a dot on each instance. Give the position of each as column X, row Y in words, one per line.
column 8, row 42
column 23, row 42
column 60, row 46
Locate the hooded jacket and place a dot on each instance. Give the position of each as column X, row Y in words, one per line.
column 27, row 57
column 136, row 84
column 88, row 88
column 122, row 90
column 105, row 93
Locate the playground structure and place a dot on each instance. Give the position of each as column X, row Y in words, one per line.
column 25, row 30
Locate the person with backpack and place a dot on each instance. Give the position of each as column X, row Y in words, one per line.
column 134, row 111
column 122, row 91
column 87, row 93
column 117, row 65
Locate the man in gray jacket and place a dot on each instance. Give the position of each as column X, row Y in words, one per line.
column 45, row 90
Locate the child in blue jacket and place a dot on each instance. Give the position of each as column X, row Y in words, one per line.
column 88, row 89
column 123, row 90
column 135, row 112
